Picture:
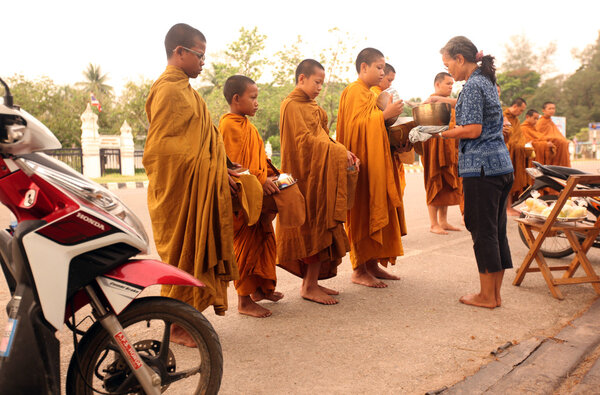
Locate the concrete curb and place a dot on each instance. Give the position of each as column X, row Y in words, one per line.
column 125, row 185
column 538, row 365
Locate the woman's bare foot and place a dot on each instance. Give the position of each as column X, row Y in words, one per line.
column 362, row 277
column 182, row 337
column 315, row 294
column 249, row 307
column 328, row 291
column 260, row 295
column 376, row 271
column 478, row 300
column 447, row 226
column 438, row 230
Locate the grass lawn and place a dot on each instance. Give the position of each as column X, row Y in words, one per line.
column 119, row 178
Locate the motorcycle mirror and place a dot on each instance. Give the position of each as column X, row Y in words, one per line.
column 8, row 99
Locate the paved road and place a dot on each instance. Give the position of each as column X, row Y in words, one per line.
column 412, row 337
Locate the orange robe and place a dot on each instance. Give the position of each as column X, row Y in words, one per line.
column 543, row 153
column 188, row 193
column 376, row 221
column 401, row 173
column 320, row 164
column 254, row 245
column 519, row 155
column 551, row 133
column 443, row 186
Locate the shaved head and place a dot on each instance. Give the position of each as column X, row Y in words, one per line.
column 184, row 35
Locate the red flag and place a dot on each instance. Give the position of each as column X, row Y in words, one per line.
column 95, row 102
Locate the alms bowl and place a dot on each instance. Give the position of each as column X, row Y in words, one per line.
column 432, row 114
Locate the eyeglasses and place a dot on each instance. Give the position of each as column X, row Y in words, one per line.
column 200, row 56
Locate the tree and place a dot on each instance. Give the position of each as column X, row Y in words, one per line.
column 96, row 81
column 517, row 83
column 132, row 107
column 246, row 53
column 521, row 55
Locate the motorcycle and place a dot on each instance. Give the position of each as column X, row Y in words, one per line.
column 553, row 177
column 73, row 249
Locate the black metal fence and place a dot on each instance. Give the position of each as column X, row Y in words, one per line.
column 137, row 161
column 73, row 157
column 110, row 161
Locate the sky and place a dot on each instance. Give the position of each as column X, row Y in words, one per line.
column 58, row 39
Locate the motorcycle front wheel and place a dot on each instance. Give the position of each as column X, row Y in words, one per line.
column 147, row 323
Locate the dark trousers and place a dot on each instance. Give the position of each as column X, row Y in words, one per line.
column 486, row 198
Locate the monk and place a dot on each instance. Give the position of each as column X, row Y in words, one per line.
column 314, row 250
column 189, row 191
column 443, row 187
column 544, row 150
column 254, row 245
column 550, row 132
column 388, row 77
column 376, row 220
column 520, row 156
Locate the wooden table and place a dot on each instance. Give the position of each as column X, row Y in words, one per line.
column 574, row 187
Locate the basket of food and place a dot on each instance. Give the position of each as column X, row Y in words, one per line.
column 538, row 209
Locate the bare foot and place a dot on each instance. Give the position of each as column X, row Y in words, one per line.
column 249, row 307
column 182, row 337
column 447, row 226
column 512, row 212
column 362, row 277
column 477, row 300
column 328, row 291
column 315, row 294
column 438, row 230
column 376, row 271
column 260, row 295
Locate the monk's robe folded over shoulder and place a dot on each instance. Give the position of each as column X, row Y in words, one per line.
column 320, row 164
column 550, row 131
column 543, row 153
column 519, row 155
column 254, row 245
column 396, row 157
column 443, row 186
column 188, row 193
column 376, row 221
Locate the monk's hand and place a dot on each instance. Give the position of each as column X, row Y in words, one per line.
column 233, row 186
column 352, row 160
column 506, row 132
column 393, row 109
column 432, row 99
column 269, row 187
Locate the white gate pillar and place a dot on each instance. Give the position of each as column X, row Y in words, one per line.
column 90, row 143
column 127, row 151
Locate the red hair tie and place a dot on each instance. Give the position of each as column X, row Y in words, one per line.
column 479, row 56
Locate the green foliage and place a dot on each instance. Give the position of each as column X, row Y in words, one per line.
column 517, row 83
column 131, row 107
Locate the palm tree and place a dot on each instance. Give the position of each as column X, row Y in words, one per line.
column 95, row 81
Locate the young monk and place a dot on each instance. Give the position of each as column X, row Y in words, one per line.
column 374, row 222
column 189, row 194
column 314, row 250
column 519, row 155
column 254, row 245
column 544, row 150
column 549, row 132
column 443, row 187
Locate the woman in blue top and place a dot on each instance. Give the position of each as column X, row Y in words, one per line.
column 483, row 162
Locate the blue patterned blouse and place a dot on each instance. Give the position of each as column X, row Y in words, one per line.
column 478, row 103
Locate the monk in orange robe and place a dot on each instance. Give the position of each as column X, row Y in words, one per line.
column 520, row 156
column 544, row 149
column 314, row 250
column 254, row 245
column 376, row 221
column 388, row 77
column 189, row 191
column 443, row 186
column 550, row 132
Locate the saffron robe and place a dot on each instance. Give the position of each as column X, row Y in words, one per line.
column 443, row 186
column 519, row 155
column 550, row 131
column 320, row 165
column 376, row 221
column 254, row 245
column 189, row 199
column 543, row 153
column 397, row 156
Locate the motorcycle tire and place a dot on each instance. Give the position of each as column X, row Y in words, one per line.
column 553, row 247
column 105, row 369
